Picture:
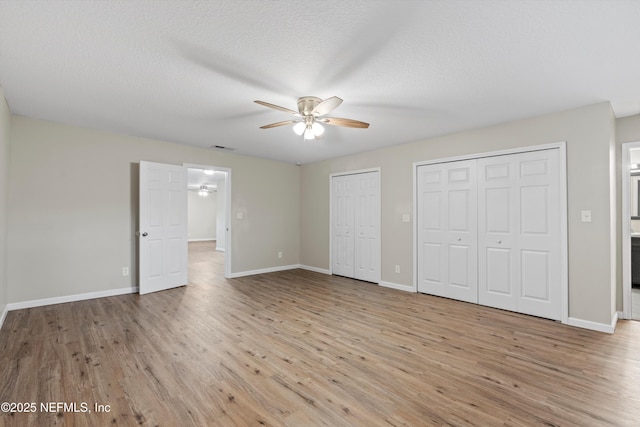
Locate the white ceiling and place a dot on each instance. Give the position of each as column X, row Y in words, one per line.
column 189, row 71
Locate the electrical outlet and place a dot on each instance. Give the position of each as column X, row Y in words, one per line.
column 279, row 254
column 406, row 218
column 397, row 269
column 125, row 271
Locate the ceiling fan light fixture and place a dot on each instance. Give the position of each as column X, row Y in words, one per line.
column 308, row 133
column 318, row 129
column 299, row 128
column 203, row 191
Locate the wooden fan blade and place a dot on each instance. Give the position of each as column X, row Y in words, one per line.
column 349, row 123
column 277, row 107
column 326, row 106
column 274, row 125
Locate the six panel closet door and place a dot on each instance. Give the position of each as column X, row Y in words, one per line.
column 489, row 231
column 447, row 228
column 355, row 217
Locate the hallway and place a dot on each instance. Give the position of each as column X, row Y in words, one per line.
column 206, row 265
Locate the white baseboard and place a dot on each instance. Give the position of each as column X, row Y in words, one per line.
column 594, row 326
column 210, row 239
column 315, row 269
column 281, row 268
column 70, row 298
column 406, row 288
column 3, row 316
column 263, row 271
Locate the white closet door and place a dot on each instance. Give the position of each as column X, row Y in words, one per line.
column 343, row 226
column 367, row 226
column 497, row 228
column 519, row 233
column 447, row 227
column 539, row 234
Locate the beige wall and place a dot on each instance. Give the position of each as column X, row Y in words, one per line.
column 73, row 208
column 588, row 131
column 5, row 121
column 628, row 129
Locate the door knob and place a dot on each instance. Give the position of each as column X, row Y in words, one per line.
column 499, row 241
column 459, row 239
column 145, row 234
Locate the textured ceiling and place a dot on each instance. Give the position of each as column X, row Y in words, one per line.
column 189, row 72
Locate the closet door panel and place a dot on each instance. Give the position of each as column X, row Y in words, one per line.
column 497, row 232
column 343, row 227
column 432, row 222
column 498, row 276
column 539, row 234
column 367, row 220
column 447, row 228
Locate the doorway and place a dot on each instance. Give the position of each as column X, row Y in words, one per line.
column 631, row 230
column 209, row 204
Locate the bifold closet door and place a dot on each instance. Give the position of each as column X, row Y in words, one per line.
column 343, row 224
column 367, row 226
column 519, row 233
column 356, row 226
column 447, row 230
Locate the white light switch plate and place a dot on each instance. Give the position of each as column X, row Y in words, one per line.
column 586, row 216
column 239, row 215
column 406, row 218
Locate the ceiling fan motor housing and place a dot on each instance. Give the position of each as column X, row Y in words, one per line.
column 306, row 104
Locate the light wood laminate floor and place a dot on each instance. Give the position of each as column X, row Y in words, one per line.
column 300, row 348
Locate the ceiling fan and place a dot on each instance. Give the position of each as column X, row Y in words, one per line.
column 203, row 190
column 310, row 114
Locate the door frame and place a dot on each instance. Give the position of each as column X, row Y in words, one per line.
column 356, row 172
column 625, row 170
column 564, row 227
column 227, row 214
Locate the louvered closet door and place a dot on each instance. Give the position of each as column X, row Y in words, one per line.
column 447, row 228
column 519, row 233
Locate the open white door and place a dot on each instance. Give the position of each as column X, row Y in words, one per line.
column 163, row 227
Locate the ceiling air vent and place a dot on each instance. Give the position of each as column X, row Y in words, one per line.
column 222, row 147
